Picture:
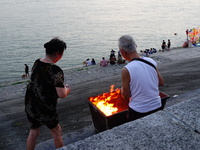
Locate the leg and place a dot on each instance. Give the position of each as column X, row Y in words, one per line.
column 31, row 141
column 57, row 136
column 133, row 115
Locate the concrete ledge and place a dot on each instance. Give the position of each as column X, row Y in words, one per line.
column 183, row 97
column 188, row 113
column 176, row 127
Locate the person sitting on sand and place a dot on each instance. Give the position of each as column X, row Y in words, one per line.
column 112, row 60
column 147, row 53
column 120, row 60
column 142, row 53
column 88, row 62
column 84, row 63
column 93, row 62
column 154, row 50
column 103, row 62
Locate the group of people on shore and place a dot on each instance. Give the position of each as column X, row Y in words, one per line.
column 113, row 58
column 46, row 85
column 147, row 52
column 104, row 62
column 165, row 46
column 87, row 62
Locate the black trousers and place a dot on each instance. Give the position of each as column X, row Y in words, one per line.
column 133, row 115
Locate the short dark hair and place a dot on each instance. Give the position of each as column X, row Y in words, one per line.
column 55, row 45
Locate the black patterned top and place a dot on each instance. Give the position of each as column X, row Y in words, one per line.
column 41, row 96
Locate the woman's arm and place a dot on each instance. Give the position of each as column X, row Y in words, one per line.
column 63, row 92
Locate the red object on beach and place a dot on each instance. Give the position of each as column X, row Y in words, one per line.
column 185, row 44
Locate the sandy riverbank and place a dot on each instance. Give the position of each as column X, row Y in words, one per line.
column 179, row 67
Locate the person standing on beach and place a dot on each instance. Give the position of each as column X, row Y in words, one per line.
column 26, row 70
column 168, row 44
column 112, row 53
column 140, row 80
column 45, row 87
column 163, row 45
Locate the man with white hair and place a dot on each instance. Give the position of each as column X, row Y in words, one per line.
column 140, row 80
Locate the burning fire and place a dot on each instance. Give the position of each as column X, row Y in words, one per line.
column 108, row 103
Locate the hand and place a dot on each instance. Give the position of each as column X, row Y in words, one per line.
column 67, row 87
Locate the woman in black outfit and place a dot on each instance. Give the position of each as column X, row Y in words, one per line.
column 45, row 87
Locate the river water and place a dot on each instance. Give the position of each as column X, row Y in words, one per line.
column 90, row 28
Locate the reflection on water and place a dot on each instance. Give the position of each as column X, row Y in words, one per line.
column 90, row 28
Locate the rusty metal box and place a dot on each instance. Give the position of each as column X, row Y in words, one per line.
column 102, row 122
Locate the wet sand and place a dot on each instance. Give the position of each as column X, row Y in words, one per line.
column 179, row 67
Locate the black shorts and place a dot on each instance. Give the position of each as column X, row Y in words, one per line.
column 133, row 115
column 34, row 124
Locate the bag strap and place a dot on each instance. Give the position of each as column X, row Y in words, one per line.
column 145, row 61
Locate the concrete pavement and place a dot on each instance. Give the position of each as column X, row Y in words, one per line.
column 174, row 128
column 76, row 76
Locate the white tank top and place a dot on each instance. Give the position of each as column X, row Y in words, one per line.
column 143, row 86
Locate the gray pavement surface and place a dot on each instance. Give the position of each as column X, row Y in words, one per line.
column 174, row 128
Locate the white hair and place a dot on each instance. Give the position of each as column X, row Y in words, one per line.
column 127, row 43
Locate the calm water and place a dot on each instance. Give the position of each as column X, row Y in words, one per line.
column 89, row 27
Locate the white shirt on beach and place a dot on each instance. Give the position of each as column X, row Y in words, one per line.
column 143, row 86
column 88, row 63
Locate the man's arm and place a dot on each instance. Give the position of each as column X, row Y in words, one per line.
column 125, row 90
column 160, row 79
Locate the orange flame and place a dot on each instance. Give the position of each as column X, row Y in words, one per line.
column 106, row 101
